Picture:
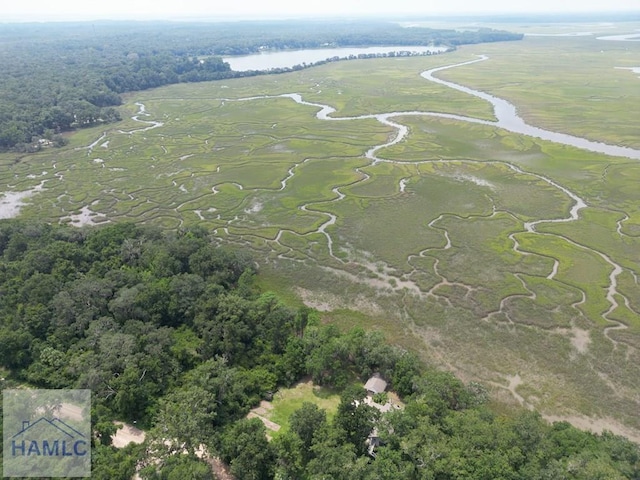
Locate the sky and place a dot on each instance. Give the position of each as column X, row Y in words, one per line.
column 43, row 10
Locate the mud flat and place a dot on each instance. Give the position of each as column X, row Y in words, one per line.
column 11, row 202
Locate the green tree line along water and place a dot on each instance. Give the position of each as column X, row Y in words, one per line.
column 50, row 87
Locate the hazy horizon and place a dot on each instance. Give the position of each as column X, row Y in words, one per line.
column 202, row 10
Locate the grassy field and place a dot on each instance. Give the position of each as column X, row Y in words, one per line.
column 435, row 244
column 288, row 400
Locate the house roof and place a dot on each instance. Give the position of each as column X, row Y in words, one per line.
column 375, row 384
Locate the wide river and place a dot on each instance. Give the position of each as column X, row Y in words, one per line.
column 290, row 58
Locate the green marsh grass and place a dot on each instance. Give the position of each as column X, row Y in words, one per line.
column 220, row 163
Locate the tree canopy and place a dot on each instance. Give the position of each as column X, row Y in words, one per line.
column 60, row 76
column 169, row 331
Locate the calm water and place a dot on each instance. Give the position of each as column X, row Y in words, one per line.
column 290, row 58
column 629, row 37
column 505, row 112
column 508, row 118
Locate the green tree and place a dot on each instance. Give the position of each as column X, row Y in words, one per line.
column 291, row 365
column 134, row 393
column 102, row 424
column 405, row 372
column 186, row 346
column 306, row 422
column 332, row 461
column 184, row 421
column 567, row 440
column 245, row 448
column 110, row 463
column 354, row 419
column 16, row 344
column 289, row 451
column 390, row 464
column 178, row 467
column 442, row 392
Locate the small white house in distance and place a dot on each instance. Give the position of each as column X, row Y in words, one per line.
column 375, row 385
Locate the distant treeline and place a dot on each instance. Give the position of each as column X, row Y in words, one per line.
column 61, row 76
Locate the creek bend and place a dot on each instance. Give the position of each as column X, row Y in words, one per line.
column 508, row 118
column 505, row 112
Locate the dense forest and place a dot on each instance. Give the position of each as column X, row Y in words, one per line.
column 61, row 76
column 168, row 330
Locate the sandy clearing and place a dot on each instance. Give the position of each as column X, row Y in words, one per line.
column 579, row 337
column 260, row 411
column 387, row 407
column 126, row 435
column 63, row 410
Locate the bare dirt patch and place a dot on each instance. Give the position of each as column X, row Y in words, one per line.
column 10, row 202
column 583, row 422
column 86, row 217
column 266, row 405
column 326, row 302
column 267, row 423
column 261, row 411
column 126, row 435
column 220, row 470
column 323, row 302
column 579, row 338
column 596, row 425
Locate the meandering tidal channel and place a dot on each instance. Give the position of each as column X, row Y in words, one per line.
column 508, row 119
